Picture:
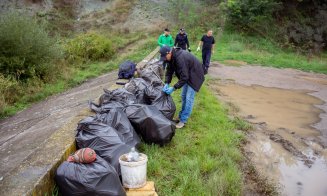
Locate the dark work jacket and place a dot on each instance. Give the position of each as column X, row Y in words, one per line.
column 181, row 41
column 188, row 69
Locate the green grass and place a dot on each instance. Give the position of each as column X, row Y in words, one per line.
column 77, row 75
column 241, row 124
column 203, row 157
column 255, row 50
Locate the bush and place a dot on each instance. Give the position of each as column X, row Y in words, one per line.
column 26, row 50
column 7, row 86
column 244, row 14
column 295, row 24
column 88, row 47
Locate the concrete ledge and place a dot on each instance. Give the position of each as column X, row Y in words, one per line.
column 152, row 55
column 35, row 176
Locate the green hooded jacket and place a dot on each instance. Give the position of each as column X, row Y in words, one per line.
column 165, row 40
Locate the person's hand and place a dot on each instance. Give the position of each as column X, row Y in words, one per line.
column 165, row 87
column 170, row 90
column 198, row 49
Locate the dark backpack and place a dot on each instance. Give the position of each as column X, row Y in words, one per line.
column 126, row 70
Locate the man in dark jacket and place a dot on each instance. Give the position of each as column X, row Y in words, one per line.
column 189, row 72
column 181, row 40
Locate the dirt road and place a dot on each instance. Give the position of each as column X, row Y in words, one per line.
column 288, row 110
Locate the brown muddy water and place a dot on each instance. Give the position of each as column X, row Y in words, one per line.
column 288, row 111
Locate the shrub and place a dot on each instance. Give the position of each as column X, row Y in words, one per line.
column 7, row 86
column 295, row 24
column 247, row 13
column 88, row 47
column 26, row 50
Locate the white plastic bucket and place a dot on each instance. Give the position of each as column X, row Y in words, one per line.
column 133, row 173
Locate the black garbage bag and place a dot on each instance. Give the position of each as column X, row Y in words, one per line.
column 117, row 119
column 166, row 105
column 163, row 102
column 105, row 107
column 151, row 93
column 153, row 73
column 96, row 178
column 150, row 123
column 103, row 139
column 120, row 95
column 137, row 86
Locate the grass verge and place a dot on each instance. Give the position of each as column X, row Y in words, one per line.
column 235, row 49
column 256, row 50
column 203, row 158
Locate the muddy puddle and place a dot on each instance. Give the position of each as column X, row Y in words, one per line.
column 284, row 146
column 289, row 173
column 281, row 109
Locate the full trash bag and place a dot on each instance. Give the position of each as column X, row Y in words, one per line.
column 120, row 95
column 96, row 178
column 137, row 86
column 103, row 139
column 117, row 119
column 150, row 123
column 151, row 93
column 152, row 74
column 156, row 68
column 163, row 102
column 105, row 107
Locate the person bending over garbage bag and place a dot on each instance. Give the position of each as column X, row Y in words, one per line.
column 190, row 74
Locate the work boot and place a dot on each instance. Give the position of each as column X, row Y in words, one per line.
column 180, row 125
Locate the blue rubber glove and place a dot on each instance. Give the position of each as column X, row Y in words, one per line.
column 169, row 90
column 165, row 87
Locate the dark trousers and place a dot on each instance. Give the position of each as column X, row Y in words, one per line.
column 206, row 55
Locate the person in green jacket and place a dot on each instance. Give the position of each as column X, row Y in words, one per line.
column 166, row 39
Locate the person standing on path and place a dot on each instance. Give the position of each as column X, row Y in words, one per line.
column 165, row 39
column 208, row 44
column 181, row 40
column 189, row 72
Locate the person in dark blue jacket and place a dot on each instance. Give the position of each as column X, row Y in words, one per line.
column 181, row 40
column 190, row 74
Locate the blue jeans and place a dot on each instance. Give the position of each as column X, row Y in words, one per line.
column 188, row 94
column 206, row 55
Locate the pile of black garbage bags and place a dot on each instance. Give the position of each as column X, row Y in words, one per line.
column 123, row 116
